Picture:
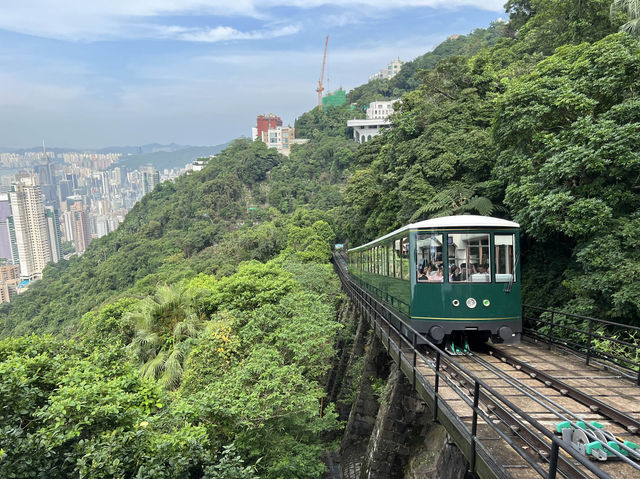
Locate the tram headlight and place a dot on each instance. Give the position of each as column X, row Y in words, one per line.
column 486, row 302
column 471, row 303
column 456, row 302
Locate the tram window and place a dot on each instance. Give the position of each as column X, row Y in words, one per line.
column 430, row 265
column 505, row 258
column 405, row 259
column 469, row 258
column 397, row 257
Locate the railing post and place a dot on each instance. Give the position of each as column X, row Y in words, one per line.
column 589, row 341
column 550, row 335
column 415, row 357
column 435, row 394
column 553, row 462
column 474, row 425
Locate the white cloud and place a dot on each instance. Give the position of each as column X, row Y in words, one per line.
column 117, row 19
column 224, row 34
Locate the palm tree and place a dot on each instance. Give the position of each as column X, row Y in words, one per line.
column 457, row 199
column 164, row 323
column 632, row 9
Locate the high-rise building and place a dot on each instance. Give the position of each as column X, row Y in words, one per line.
column 5, row 239
column 13, row 242
column 55, row 234
column 150, row 178
column 65, row 189
column 47, row 181
column 30, row 227
column 269, row 130
column 80, row 226
column 119, row 176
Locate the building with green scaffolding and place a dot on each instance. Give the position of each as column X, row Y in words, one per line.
column 337, row 98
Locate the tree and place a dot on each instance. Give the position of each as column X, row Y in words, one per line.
column 632, row 9
column 164, row 324
column 570, row 164
column 455, row 200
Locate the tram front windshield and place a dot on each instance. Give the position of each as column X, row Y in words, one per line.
column 469, row 258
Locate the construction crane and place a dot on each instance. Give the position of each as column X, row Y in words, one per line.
column 320, row 88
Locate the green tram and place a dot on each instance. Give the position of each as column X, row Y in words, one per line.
column 453, row 278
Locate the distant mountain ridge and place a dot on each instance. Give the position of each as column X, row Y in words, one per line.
column 161, row 156
column 149, row 148
column 170, row 159
column 124, row 150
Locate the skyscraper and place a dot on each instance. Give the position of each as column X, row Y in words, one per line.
column 55, row 234
column 5, row 240
column 47, row 180
column 150, row 178
column 80, row 226
column 30, row 227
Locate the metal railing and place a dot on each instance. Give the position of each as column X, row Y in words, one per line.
column 403, row 350
column 593, row 338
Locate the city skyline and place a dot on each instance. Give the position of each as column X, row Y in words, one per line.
column 116, row 73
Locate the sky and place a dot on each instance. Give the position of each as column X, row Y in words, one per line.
column 130, row 72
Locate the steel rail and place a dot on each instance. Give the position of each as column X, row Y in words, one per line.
column 519, row 428
column 369, row 304
column 632, row 425
column 532, row 392
column 438, row 405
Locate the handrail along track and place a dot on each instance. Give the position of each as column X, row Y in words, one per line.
column 543, row 324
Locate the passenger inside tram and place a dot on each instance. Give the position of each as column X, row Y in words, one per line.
column 429, row 258
column 468, row 257
column 438, row 275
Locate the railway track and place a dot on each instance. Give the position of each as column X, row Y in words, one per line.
column 551, row 402
column 503, row 410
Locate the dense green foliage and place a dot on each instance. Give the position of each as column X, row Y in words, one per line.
column 541, row 127
column 194, row 340
column 247, row 390
column 570, row 157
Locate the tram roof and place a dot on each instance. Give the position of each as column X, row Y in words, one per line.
column 445, row 222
